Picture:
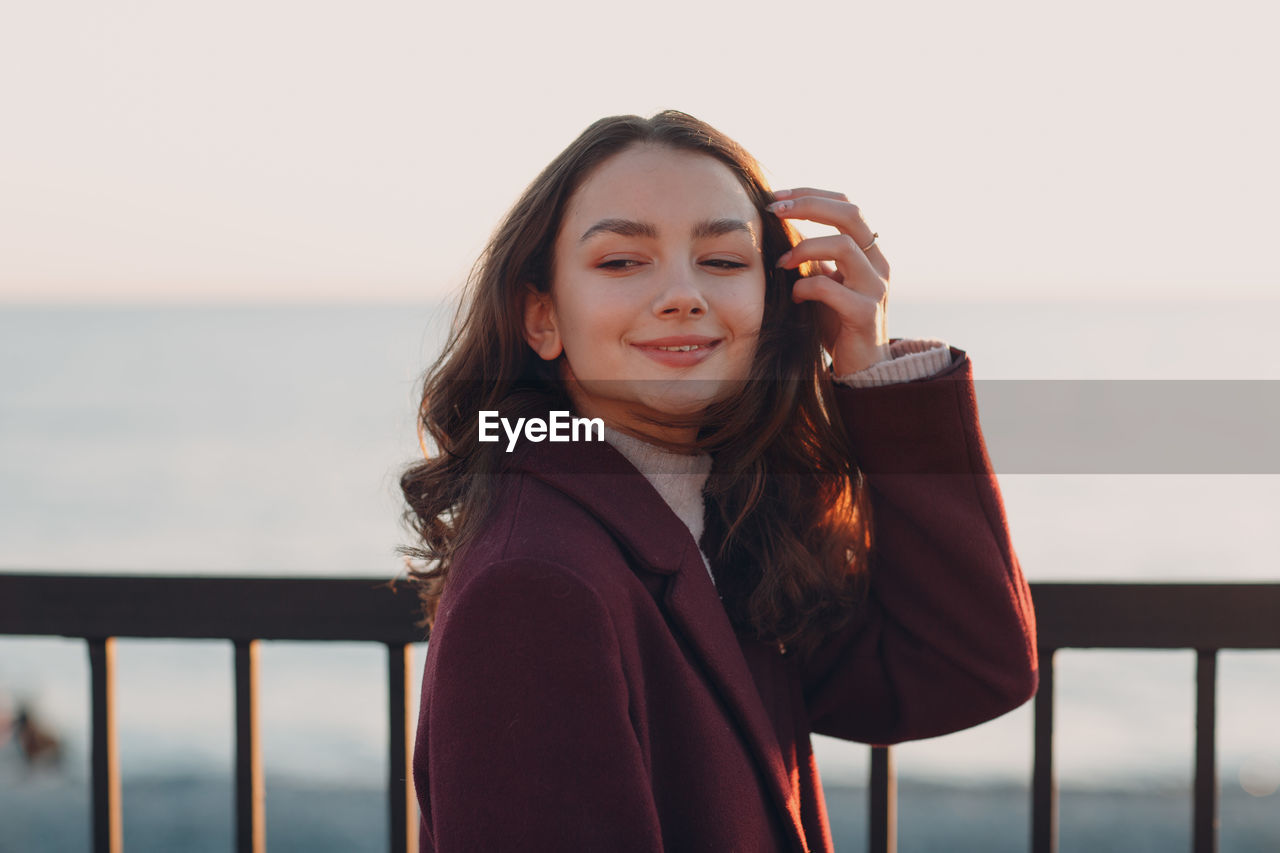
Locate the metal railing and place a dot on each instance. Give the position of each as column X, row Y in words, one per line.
column 1204, row 617
column 100, row 608
column 97, row 608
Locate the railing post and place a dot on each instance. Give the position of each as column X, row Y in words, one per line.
column 1044, row 783
column 108, row 834
column 250, row 816
column 883, row 802
column 1205, row 797
column 404, row 805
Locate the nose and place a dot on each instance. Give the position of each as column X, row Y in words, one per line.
column 680, row 296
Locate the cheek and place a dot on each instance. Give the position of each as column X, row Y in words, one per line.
column 599, row 315
column 747, row 322
column 588, row 327
column 748, row 313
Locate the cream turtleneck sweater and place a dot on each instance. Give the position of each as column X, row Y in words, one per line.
column 680, row 478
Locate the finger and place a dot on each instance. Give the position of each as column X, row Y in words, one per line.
column 847, row 309
column 796, row 192
column 856, row 270
column 829, row 270
column 844, row 216
column 851, row 307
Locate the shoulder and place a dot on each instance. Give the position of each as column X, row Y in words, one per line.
column 538, row 540
column 511, row 642
column 520, row 593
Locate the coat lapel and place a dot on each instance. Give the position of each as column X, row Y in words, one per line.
column 695, row 609
column 604, row 482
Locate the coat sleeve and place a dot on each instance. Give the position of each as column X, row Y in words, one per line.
column 946, row 639
column 525, row 740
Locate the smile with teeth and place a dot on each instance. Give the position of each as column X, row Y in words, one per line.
column 680, row 351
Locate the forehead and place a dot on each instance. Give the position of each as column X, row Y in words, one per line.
column 660, row 184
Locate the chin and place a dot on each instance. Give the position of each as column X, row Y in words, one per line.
column 688, row 396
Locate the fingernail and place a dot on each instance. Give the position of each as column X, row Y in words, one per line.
column 779, row 206
column 781, row 193
column 782, row 261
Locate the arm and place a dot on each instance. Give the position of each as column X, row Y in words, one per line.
column 947, row 637
column 525, row 741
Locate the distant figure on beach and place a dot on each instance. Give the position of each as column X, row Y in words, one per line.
column 39, row 745
column 791, row 526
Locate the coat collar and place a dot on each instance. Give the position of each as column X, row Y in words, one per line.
column 606, row 484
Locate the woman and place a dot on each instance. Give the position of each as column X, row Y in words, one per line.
column 632, row 639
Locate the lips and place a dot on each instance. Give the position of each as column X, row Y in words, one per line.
column 679, row 350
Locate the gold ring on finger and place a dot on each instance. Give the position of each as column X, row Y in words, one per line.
column 867, row 247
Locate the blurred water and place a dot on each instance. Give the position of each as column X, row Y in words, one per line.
column 269, row 441
column 194, row 815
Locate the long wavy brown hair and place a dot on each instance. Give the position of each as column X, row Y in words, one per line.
column 788, row 529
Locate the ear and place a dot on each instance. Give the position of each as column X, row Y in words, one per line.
column 540, row 328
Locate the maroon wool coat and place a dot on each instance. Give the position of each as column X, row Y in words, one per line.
column 585, row 691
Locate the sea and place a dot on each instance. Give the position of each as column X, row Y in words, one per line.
column 268, row 440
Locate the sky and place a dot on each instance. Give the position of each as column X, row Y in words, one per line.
column 289, row 151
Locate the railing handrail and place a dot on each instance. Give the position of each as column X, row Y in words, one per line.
column 204, row 607
column 1185, row 615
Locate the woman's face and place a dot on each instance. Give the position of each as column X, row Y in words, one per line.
column 658, row 290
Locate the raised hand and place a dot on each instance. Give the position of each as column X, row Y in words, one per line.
column 853, row 285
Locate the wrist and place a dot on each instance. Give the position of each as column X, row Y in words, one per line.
column 859, row 358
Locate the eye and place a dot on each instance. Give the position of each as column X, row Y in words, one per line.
column 618, row 264
column 725, row 264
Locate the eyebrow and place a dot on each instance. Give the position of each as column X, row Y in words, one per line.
column 631, row 228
